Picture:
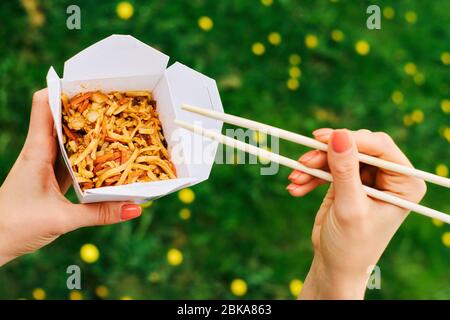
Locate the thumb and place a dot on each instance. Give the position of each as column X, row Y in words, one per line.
column 344, row 165
column 103, row 213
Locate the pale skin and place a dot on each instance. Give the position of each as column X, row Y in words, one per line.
column 351, row 230
column 33, row 209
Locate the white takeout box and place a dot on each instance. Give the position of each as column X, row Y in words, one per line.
column 122, row 63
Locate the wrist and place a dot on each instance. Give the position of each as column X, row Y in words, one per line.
column 325, row 284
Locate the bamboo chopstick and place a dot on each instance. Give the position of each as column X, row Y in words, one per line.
column 374, row 193
column 312, row 143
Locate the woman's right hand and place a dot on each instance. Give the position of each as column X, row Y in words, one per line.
column 352, row 230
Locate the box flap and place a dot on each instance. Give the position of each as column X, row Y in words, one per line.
column 191, row 87
column 115, row 56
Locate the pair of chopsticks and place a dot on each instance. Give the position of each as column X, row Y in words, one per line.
column 312, row 143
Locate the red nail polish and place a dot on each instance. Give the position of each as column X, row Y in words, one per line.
column 308, row 156
column 130, row 211
column 340, row 141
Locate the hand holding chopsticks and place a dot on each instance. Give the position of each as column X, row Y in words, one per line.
column 374, row 193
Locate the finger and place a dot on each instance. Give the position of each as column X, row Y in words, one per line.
column 301, row 190
column 313, row 159
column 104, row 213
column 344, row 166
column 62, row 175
column 41, row 121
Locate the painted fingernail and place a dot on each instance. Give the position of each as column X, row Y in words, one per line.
column 322, row 132
column 308, row 156
column 340, row 141
column 130, row 211
column 294, row 175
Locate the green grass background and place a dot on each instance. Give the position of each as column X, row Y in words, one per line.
column 243, row 225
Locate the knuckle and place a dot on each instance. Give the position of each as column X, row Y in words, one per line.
column 344, row 171
column 105, row 214
column 384, row 138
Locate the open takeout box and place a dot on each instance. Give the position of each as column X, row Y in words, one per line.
column 123, row 63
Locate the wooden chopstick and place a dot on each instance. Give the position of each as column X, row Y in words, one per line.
column 312, row 143
column 374, row 193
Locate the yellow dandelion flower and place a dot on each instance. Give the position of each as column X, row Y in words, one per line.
column 274, row 38
column 437, row 222
column 126, row 298
column 362, row 47
column 388, row 12
column 419, row 78
column 75, row 295
column 292, row 84
column 417, row 116
column 205, row 23
column 174, row 257
column 238, row 287
column 295, row 286
column 102, row 291
column 267, row 3
column 410, row 68
column 397, row 97
column 295, row 72
column 442, row 170
column 146, row 205
column 337, row 35
column 154, row 277
column 39, row 294
column 446, row 239
column 411, row 17
column 295, row 59
column 124, row 10
column 445, row 105
column 186, row 195
column 407, row 121
column 311, row 41
column 185, row 214
column 263, row 160
column 445, row 58
column 259, row 137
column 447, row 134
column 258, row 49
column 89, row 253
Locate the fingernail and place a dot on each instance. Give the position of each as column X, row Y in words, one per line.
column 291, row 187
column 340, row 141
column 322, row 132
column 294, row 175
column 308, row 156
column 130, row 211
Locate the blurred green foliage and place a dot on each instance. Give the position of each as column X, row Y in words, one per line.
column 244, row 225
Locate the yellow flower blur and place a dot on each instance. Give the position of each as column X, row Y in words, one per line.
column 446, row 134
column 146, row 205
column 267, row 3
column 124, row 10
column 205, row 23
column 397, row 97
column 442, row 170
column 75, row 295
column 185, row 214
column 295, row 72
column 311, row 41
column 186, row 195
column 437, row 223
column 274, row 38
column 154, row 277
column 410, row 69
column 39, row 294
column 419, row 78
column 362, row 47
column 292, row 84
column 102, row 291
column 445, row 105
column 258, row 49
column 238, row 287
column 295, row 286
column 417, row 116
column 126, row 298
column 259, row 137
column 411, row 17
column 295, row 59
column 337, row 35
column 445, row 58
column 446, row 239
column 407, row 120
column 388, row 12
column 89, row 253
column 174, row 257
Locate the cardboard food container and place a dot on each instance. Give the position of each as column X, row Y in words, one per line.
column 123, row 63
